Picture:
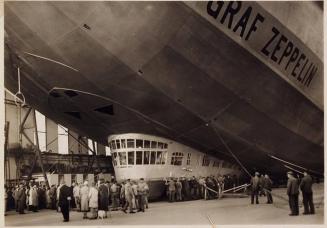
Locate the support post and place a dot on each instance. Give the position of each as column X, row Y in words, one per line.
column 36, row 147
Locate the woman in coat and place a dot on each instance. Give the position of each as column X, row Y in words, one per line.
column 93, row 201
column 84, row 194
column 103, row 198
column 33, row 198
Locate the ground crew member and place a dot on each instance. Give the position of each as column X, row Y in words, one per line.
column 129, row 196
column 293, row 193
column 142, row 188
column 171, row 190
column 267, row 188
column 255, row 186
column 262, row 184
column 306, row 188
column 178, row 190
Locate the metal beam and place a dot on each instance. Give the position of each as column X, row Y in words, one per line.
column 38, row 154
column 21, row 128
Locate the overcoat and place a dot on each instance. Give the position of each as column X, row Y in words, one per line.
column 84, row 194
column 93, row 197
column 33, row 197
column 103, row 197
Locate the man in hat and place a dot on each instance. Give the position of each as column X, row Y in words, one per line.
column 65, row 196
column 255, row 181
column 267, row 188
column 142, row 189
column 103, row 197
column 293, row 193
column 21, row 198
column 129, row 196
column 306, row 188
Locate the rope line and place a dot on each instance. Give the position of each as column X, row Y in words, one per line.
column 230, row 151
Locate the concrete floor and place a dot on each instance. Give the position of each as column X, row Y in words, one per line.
column 219, row 212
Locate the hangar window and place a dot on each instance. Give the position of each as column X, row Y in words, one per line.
column 188, row 161
column 205, row 161
column 130, row 143
column 131, row 157
column 92, row 146
column 153, row 144
column 165, row 145
column 118, row 144
column 177, row 158
column 139, row 157
column 153, row 158
column 123, row 143
column 146, row 157
column 41, row 130
column 146, row 144
column 122, row 158
column 62, row 140
column 139, row 143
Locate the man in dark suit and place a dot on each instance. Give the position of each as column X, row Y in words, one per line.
column 293, row 193
column 306, row 188
column 267, row 188
column 64, row 200
column 21, row 199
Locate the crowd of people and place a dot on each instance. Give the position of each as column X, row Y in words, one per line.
column 130, row 196
column 193, row 188
column 262, row 185
column 91, row 199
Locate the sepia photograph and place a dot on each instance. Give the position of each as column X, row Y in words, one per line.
column 163, row 113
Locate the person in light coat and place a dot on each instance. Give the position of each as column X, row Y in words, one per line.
column 93, row 201
column 129, row 196
column 84, row 194
column 33, row 198
column 58, row 192
column 77, row 197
